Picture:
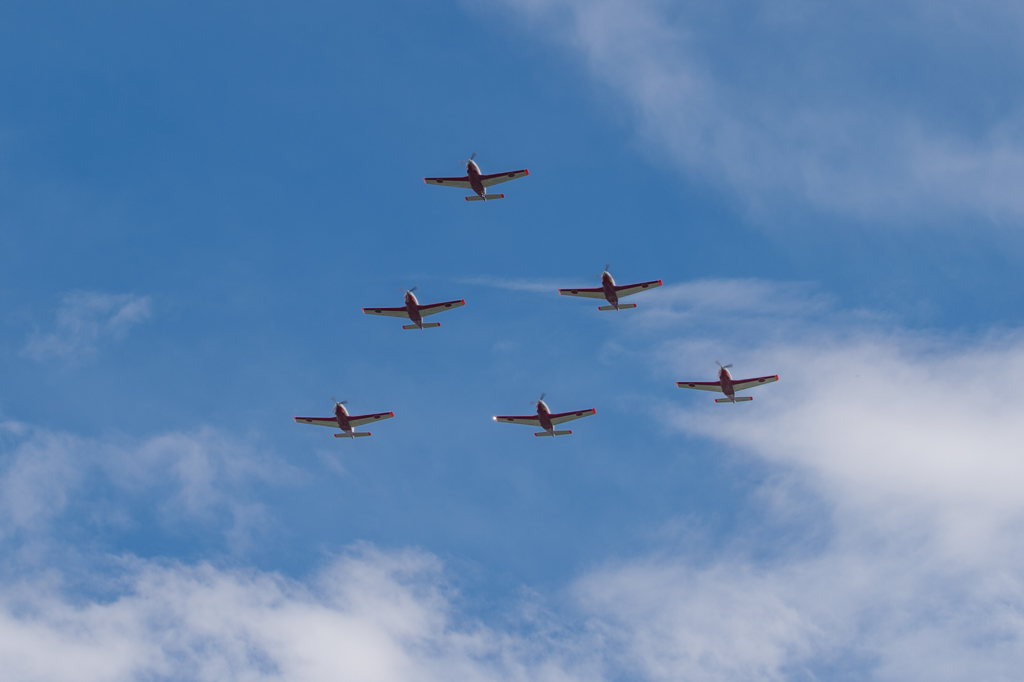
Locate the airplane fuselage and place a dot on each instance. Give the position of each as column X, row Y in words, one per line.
column 341, row 414
column 608, row 284
column 473, row 171
column 726, row 379
column 412, row 306
column 544, row 415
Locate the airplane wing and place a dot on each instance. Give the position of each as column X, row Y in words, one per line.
column 528, row 420
column 330, row 422
column 498, row 178
column 750, row 383
column 440, row 307
column 630, row 289
column 563, row 417
column 585, row 293
column 462, row 182
column 713, row 386
column 388, row 312
column 362, row 419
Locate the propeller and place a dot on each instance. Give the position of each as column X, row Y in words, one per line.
column 471, row 157
column 534, row 402
column 721, row 366
column 408, row 291
column 337, row 402
column 606, row 266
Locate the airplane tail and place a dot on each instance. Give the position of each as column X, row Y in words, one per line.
column 354, row 434
column 486, row 197
column 739, row 399
column 426, row 325
column 553, row 433
column 622, row 306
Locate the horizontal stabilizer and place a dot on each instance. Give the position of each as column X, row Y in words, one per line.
column 553, row 433
column 622, row 306
column 354, row 434
column 426, row 325
column 486, row 197
column 742, row 399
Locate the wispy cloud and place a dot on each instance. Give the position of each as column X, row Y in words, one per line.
column 369, row 615
column 886, row 544
column 204, row 476
column 86, row 320
column 785, row 103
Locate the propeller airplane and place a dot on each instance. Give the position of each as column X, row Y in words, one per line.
column 477, row 182
column 344, row 421
column 416, row 312
column 727, row 385
column 545, row 419
column 611, row 292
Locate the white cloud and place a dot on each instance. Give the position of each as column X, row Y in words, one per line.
column 200, row 476
column 887, row 545
column 368, row 616
column 867, row 109
column 84, row 321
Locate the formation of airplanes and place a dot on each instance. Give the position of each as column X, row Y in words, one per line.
column 544, row 419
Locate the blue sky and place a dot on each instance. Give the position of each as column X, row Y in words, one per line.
column 197, row 198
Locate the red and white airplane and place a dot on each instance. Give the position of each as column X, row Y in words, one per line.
column 545, row 420
column 477, row 182
column 727, row 385
column 344, row 421
column 611, row 292
column 416, row 312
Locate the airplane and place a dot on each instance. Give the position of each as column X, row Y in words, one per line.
column 727, row 385
column 416, row 312
column 545, row 419
column 611, row 292
column 477, row 182
column 344, row 421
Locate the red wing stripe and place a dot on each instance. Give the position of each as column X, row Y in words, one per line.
column 378, row 415
column 597, row 290
column 446, row 304
column 441, row 181
column 510, row 174
column 684, row 384
column 642, row 285
column 377, row 310
column 574, row 413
